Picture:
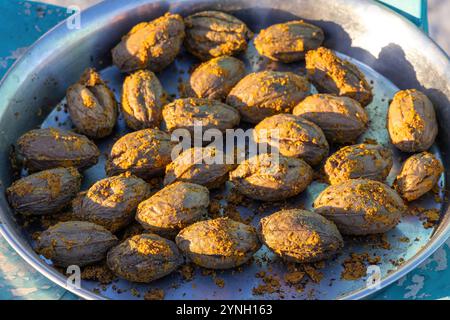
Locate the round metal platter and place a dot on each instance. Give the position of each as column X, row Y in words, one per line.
column 399, row 251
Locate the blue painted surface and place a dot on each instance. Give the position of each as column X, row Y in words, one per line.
column 415, row 10
column 22, row 22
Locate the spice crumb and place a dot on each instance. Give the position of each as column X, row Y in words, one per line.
column 154, row 294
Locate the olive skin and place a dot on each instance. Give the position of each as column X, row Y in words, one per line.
column 92, row 105
column 411, row 121
column 42, row 149
column 198, row 165
column 300, row 236
column 173, row 208
column 294, row 136
column 368, row 161
column 331, row 74
column 153, row 45
column 44, row 192
column 266, row 178
column 75, row 243
column 219, row 243
column 418, row 175
column 142, row 100
column 144, row 258
column 211, row 34
column 111, row 202
column 288, row 42
column 360, row 206
column 341, row 119
column 266, row 93
column 189, row 113
column 144, row 153
column 215, row 78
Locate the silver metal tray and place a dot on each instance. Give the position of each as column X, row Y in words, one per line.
column 384, row 45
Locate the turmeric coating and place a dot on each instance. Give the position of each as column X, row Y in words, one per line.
column 212, row 34
column 144, row 153
column 144, row 258
column 300, row 236
column 204, row 166
column 173, row 208
column 190, row 113
column 215, row 78
column 153, row 45
column 266, row 93
column 269, row 178
column 342, row 119
column 44, row 192
column 219, row 243
column 294, row 137
column 75, row 243
column 42, row 149
column 411, row 121
column 142, row 100
column 288, row 42
column 365, row 161
column 418, row 175
column 111, row 202
column 334, row 75
column 91, row 105
column 360, row 206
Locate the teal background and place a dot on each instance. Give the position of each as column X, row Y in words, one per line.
column 23, row 22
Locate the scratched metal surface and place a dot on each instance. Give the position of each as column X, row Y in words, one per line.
column 19, row 280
